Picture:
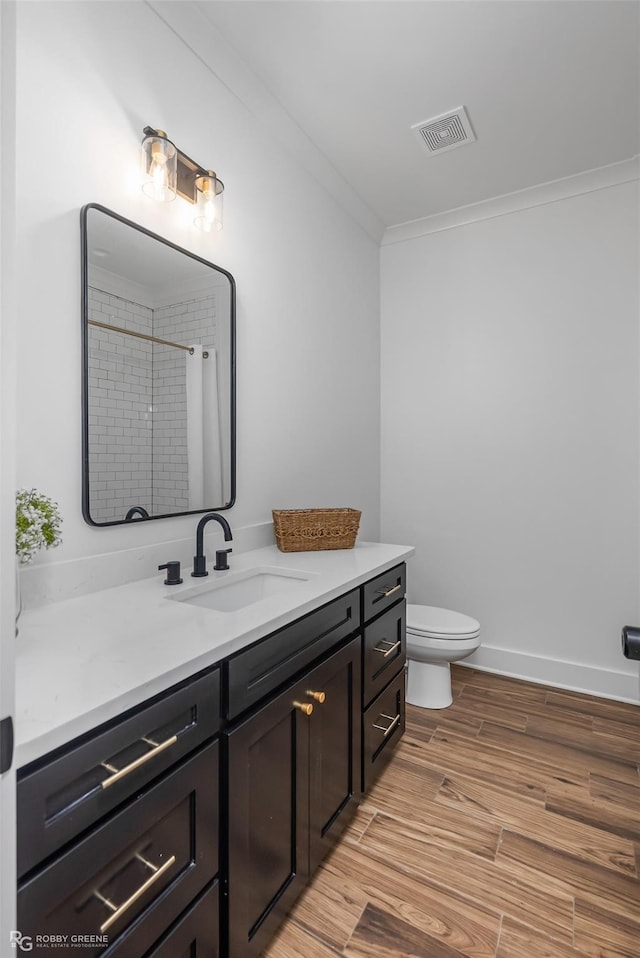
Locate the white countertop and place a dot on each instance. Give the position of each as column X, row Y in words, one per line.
column 83, row 661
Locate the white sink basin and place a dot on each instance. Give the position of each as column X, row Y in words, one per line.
column 240, row 589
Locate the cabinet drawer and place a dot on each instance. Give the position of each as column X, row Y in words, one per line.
column 380, row 593
column 135, row 873
column 196, row 934
column 258, row 671
column 385, row 646
column 59, row 799
column 383, row 726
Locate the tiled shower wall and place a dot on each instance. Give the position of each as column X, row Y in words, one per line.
column 120, row 425
column 137, row 390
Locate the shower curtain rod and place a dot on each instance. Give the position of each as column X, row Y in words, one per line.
column 151, row 339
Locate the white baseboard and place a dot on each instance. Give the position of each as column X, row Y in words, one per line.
column 623, row 686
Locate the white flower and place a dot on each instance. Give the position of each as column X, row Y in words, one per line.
column 38, row 524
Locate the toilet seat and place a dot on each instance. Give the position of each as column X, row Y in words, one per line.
column 435, row 623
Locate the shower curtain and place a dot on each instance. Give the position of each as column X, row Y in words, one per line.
column 204, row 453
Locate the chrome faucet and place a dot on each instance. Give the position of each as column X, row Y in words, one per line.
column 199, row 559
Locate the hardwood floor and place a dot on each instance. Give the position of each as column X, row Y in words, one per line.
column 506, row 826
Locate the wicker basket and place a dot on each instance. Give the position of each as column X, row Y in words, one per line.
column 309, row 530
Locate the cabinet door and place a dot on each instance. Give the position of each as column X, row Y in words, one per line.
column 195, row 934
column 293, row 778
column 335, row 747
column 268, row 809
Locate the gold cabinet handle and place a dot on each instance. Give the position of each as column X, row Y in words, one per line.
column 119, row 910
column 120, row 773
column 305, row 707
column 388, row 651
column 318, row 696
column 385, row 592
column 394, row 721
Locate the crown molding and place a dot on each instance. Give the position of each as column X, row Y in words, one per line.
column 552, row 192
column 189, row 23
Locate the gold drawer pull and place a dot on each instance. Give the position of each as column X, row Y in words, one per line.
column 388, row 651
column 119, row 910
column 318, row 696
column 385, row 592
column 120, row 773
column 394, row 721
column 305, row 707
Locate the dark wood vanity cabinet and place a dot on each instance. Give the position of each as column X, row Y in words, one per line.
column 295, row 777
column 293, row 769
column 384, row 653
column 263, row 757
column 121, row 886
column 118, row 833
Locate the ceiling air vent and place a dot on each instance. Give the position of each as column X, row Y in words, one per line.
column 445, row 132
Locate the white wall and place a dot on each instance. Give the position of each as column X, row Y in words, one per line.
column 510, row 431
column 90, row 76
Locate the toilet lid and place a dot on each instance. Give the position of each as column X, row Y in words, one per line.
column 429, row 620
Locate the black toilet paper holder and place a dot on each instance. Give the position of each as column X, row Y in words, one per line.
column 631, row 642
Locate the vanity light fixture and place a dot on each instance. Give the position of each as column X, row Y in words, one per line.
column 166, row 171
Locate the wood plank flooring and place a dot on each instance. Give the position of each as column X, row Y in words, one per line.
column 506, row 826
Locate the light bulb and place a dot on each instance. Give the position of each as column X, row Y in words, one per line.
column 159, row 167
column 209, row 191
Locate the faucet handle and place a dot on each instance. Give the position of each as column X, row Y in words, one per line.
column 221, row 560
column 173, row 573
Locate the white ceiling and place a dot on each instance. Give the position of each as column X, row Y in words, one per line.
column 551, row 88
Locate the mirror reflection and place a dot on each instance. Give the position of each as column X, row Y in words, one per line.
column 158, row 376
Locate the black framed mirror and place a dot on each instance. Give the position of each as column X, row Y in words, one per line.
column 158, row 376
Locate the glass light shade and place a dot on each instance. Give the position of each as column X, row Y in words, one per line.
column 209, row 191
column 159, row 167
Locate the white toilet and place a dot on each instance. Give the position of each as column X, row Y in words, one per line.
column 435, row 638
